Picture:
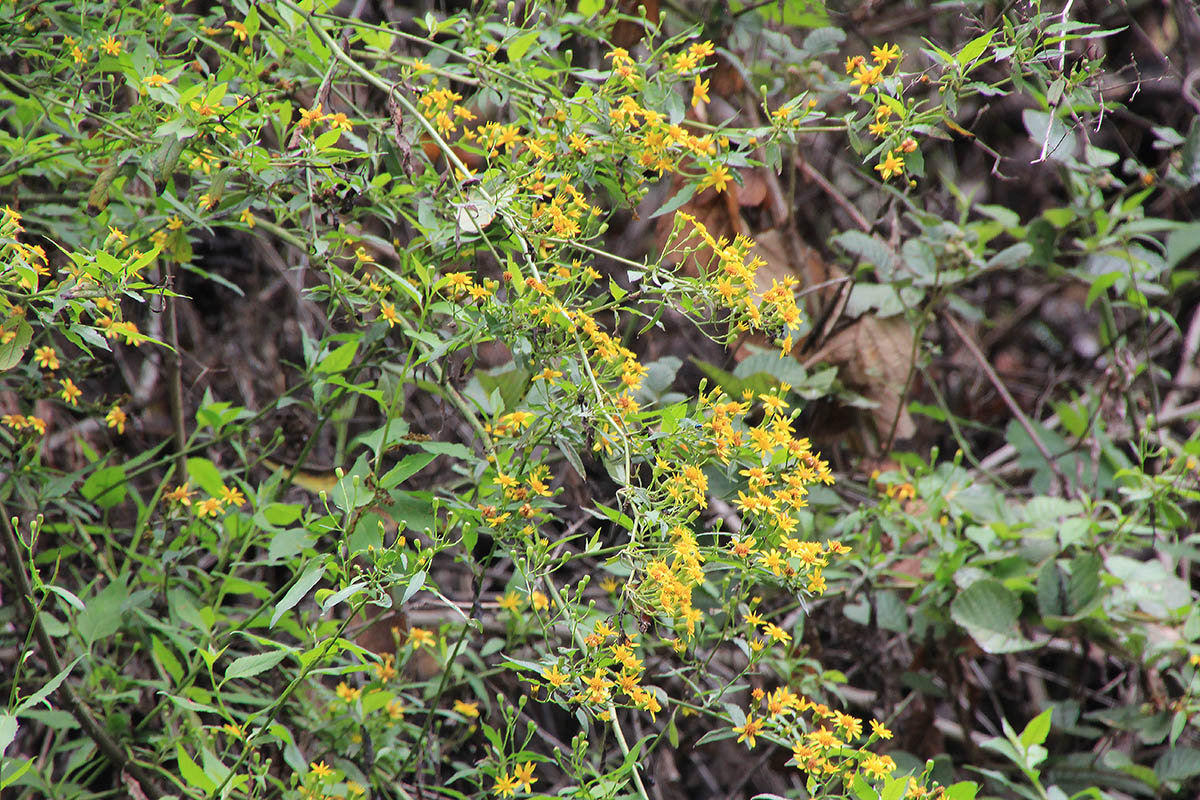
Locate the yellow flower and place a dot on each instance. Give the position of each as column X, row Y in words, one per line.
column 340, row 121
column 156, row 80
column 891, row 165
column 699, row 92
column 388, row 312
column 239, row 30
column 70, row 392
column 419, row 637
column 320, row 769
column 116, row 418
column 879, row 730
column 347, row 693
column 46, row 357
column 310, row 115
column 467, row 709
column 777, row 633
column 523, row 775
column 506, row 786
column 748, row 730
column 539, row 600
column 885, row 54
column 510, row 602
column 557, row 679
column 718, row 177
column 247, row 218
column 208, row 507
column 866, row 77
column 111, row 45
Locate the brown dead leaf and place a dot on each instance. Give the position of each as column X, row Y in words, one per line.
column 874, row 357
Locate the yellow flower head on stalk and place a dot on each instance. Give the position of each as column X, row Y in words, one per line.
column 116, row 418
column 506, row 785
column 523, row 775
column 885, row 54
column 891, row 165
column 239, row 30
column 865, row 77
column 718, row 177
column 112, row 45
column 749, row 730
column 46, row 357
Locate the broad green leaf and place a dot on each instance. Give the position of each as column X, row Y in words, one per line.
column 989, row 612
column 338, row 359
column 191, row 772
column 105, row 487
column 13, row 350
column 974, row 48
column 102, row 614
column 1037, row 729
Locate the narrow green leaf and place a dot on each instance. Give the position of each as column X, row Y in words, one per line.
column 306, row 582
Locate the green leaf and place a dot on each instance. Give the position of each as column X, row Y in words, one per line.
column 105, row 487
column 249, row 666
column 684, row 194
column 102, row 616
column 338, row 359
column 414, row 586
column 12, row 351
column 989, row 612
column 521, row 44
column 410, row 465
column 299, row 589
column 191, row 772
column 206, row 475
column 166, row 659
column 1178, row 764
column 47, row 688
column 1037, row 730
column 974, row 48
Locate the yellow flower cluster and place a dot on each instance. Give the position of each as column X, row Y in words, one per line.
column 822, row 745
column 730, row 275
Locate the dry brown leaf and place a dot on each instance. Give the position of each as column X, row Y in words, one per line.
column 874, row 357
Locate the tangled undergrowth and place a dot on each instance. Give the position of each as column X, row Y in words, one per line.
column 555, row 559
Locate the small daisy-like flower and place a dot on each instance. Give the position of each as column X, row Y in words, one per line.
column 70, row 392
column 232, row 496
column 239, row 30
column 891, row 165
column 46, row 358
column 470, row 709
column 320, row 769
column 116, row 418
column 420, row 637
column 699, row 92
column 308, row 116
column 388, row 312
column 112, row 46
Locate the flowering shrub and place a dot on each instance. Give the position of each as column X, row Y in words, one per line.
column 569, row 530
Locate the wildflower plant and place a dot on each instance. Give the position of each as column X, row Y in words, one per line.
column 429, row 190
